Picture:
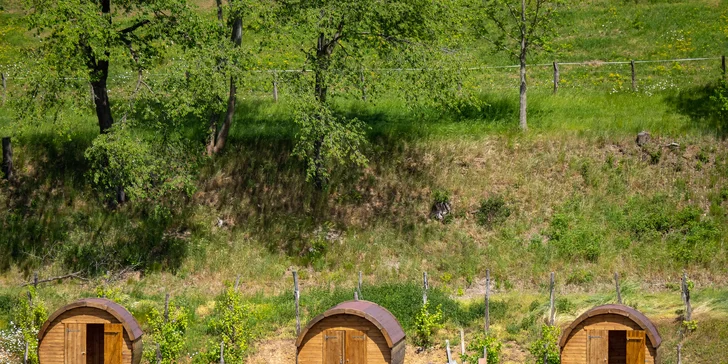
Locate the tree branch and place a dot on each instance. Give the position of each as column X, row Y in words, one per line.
column 134, row 27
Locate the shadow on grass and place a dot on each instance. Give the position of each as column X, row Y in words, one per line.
column 703, row 106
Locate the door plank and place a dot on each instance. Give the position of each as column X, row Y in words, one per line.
column 635, row 347
column 597, row 346
column 356, row 347
column 75, row 343
column 113, row 341
column 333, row 351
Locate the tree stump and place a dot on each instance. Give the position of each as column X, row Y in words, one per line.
column 439, row 210
column 643, row 138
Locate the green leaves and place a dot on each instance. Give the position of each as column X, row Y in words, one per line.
column 426, row 325
column 547, row 346
column 167, row 335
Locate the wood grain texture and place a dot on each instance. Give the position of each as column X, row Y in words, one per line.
column 635, row 347
column 356, row 347
column 75, row 344
column 312, row 345
column 597, row 347
column 333, row 350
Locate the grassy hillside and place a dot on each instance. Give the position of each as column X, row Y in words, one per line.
column 579, row 198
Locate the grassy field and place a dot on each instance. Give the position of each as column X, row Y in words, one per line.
column 580, row 198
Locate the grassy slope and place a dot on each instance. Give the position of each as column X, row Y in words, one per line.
column 579, row 162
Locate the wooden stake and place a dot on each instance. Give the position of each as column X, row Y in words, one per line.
column 556, row 77
column 722, row 63
column 25, row 357
column 485, row 354
column 35, row 280
column 679, row 353
column 360, row 295
column 296, row 296
column 619, row 291
column 275, row 86
column 356, row 296
column 426, row 286
column 634, row 77
column 237, row 283
column 159, row 354
column 552, row 316
column 166, row 307
column 449, row 356
column 7, row 166
column 487, row 300
column 462, row 342
column 686, row 298
column 222, row 352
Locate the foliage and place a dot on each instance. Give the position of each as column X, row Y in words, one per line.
column 145, row 171
column 28, row 315
column 690, row 326
column 477, row 345
column 441, row 196
column 492, row 211
column 167, row 335
column 547, row 346
column 426, row 325
column 231, row 322
column 324, row 139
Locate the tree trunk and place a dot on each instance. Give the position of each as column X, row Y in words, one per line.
column 99, row 75
column 219, row 138
column 7, row 166
column 523, row 102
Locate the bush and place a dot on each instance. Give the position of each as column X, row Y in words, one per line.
column 426, row 325
column 483, row 342
column 169, row 335
column 492, row 210
column 546, row 346
column 231, row 323
column 27, row 320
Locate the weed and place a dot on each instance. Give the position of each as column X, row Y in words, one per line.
column 426, row 325
column 492, row 211
column 483, row 343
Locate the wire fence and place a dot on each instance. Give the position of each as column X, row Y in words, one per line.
column 646, row 76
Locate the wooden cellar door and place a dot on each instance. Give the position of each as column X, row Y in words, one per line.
column 597, row 346
column 635, row 347
column 334, row 346
column 74, row 345
column 113, row 343
column 356, row 347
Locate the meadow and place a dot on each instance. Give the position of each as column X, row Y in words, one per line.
column 576, row 194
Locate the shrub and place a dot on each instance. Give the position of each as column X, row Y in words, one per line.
column 440, row 196
column 492, row 210
column 483, row 342
column 231, row 324
column 546, row 346
column 426, row 325
column 169, row 335
column 27, row 320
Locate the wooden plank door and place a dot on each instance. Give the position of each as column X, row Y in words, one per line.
column 356, row 347
column 597, row 347
column 74, row 345
column 334, row 346
column 636, row 347
column 113, row 343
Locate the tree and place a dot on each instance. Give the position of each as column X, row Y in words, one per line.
column 80, row 40
column 345, row 34
column 518, row 26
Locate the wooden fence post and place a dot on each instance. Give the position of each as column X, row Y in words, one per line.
column 275, row 86
column 426, row 287
column 634, row 78
column 356, row 296
column 487, row 300
column 552, row 316
column 686, row 297
column 679, row 353
column 556, row 77
column 296, row 296
column 360, row 295
column 222, row 352
column 619, row 291
column 7, row 166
